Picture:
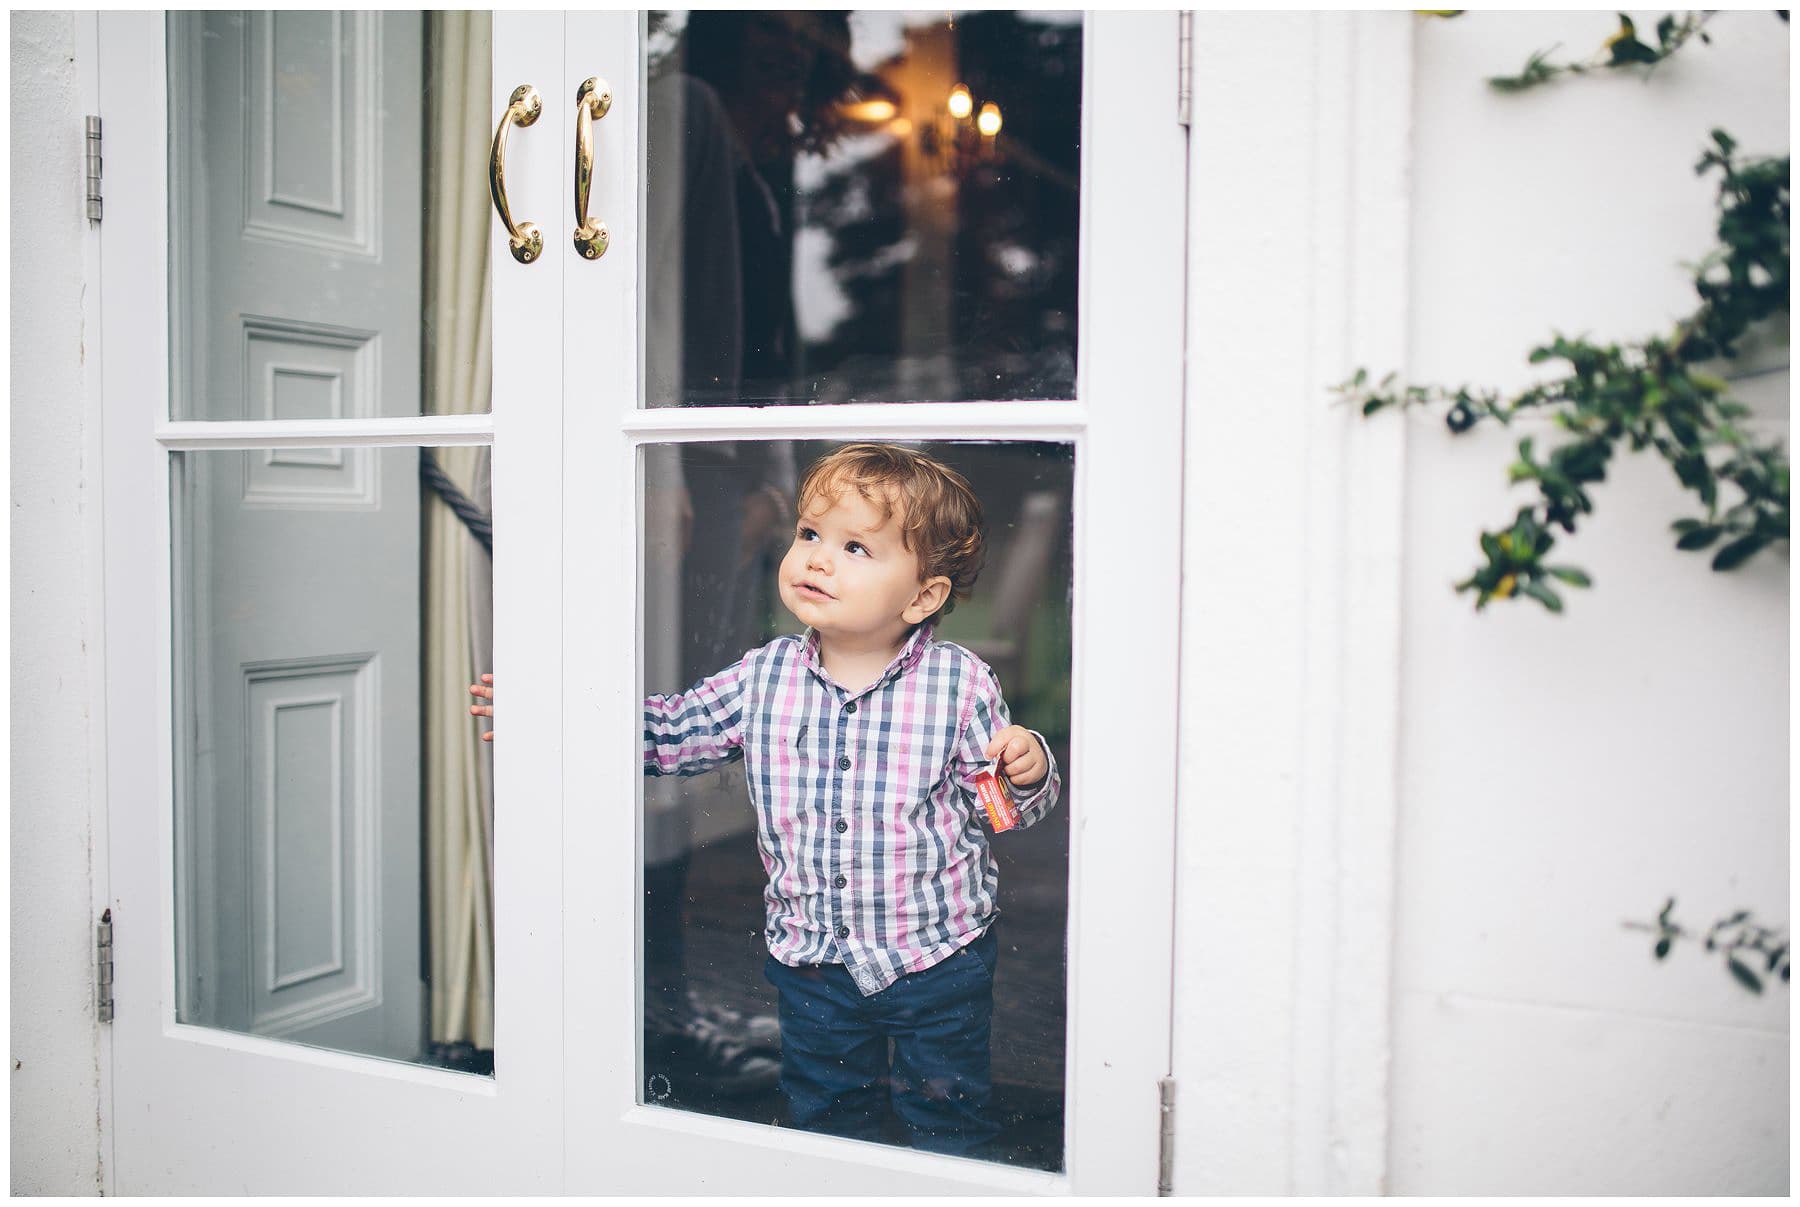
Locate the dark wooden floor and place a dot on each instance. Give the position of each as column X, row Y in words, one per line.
column 725, row 954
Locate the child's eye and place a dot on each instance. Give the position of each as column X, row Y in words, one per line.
column 806, row 534
column 856, row 547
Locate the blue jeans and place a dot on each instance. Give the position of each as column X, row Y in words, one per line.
column 835, row 1073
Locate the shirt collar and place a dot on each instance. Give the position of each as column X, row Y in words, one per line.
column 905, row 660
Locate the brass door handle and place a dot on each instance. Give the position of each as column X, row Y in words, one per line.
column 592, row 100
column 522, row 109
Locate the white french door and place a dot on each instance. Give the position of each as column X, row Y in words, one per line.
column 1097, row 429
column 280, row 270
column 1000, row 280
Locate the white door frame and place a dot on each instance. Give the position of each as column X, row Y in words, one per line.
column 1291, row 674
column 1126, row 430
column 200, row 1110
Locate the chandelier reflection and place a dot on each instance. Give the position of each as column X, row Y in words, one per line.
column 952, row 138
column 957, row 137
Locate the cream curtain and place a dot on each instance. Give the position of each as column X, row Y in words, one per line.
column 459, row 779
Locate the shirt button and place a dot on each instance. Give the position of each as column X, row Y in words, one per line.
column 843, row 932
column 844, row 763
column 841, row 882
column 842, row 826
column 850, row 707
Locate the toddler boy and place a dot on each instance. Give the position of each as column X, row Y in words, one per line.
column 861, row 739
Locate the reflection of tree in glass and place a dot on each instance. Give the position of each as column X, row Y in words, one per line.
column 1006, row 324
column 860, row 204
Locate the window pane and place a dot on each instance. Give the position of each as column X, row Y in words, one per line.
column 333, row 800
column 872, row 207
column 328, row 213
column 741, row 857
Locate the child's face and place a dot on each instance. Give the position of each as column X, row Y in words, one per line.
column 848, row 574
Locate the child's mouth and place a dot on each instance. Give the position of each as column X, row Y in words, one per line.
column 808, row 591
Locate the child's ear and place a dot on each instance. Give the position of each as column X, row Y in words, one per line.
column 930, row 598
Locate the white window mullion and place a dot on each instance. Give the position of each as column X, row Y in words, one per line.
column 924, row 420
column 306, row 433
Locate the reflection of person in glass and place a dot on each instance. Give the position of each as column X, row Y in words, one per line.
column 862, row 739
column 728, row 110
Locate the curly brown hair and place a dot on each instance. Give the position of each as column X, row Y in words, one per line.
column 940, row 517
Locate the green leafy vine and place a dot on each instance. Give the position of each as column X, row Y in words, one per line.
column 1741, row 940
column 1648, row 393
column 1623, row 49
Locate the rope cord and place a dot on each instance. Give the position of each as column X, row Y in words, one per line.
column 479, row 523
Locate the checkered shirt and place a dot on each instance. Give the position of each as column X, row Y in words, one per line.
column 868, row 822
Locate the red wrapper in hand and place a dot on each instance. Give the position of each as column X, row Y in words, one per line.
column 996, row 798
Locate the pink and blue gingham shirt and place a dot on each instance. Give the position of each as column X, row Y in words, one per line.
column 868, row 822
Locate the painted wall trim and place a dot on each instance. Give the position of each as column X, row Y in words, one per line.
column 1291, row 605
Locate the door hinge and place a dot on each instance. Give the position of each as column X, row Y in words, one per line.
column 1165, row 1177
column 93, row 169
column 1184, row 68
column 103, row 967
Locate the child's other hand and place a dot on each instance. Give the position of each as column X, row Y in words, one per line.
column 484, row 689
column 1021, row 758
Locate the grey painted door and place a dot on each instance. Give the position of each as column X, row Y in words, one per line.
column 295, row 179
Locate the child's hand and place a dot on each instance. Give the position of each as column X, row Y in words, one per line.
column 483, row 710
column 1021, row 758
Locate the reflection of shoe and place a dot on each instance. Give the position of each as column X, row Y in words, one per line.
column 759, row 1031
column 703, row 1051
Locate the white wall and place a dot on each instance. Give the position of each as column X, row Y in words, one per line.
column 1409, row 833
column 55, row 612
column 1562, row 774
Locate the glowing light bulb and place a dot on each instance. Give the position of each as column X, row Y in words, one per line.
column 873, row 111
column 989, row 121
column 960, row 104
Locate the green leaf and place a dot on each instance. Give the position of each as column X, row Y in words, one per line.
column 1542, row 594
column 1662, row 947
column 1775, row 956
column 1738, row 552
column 1692, row 469
column 1700, row 537
column 1745, row 977
column 1630, row 50
column 1685, row 525
column 1570, row 575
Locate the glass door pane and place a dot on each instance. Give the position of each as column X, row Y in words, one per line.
column 861, row 207
column 328, row 221
column 741, row 863
column 334, row 804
